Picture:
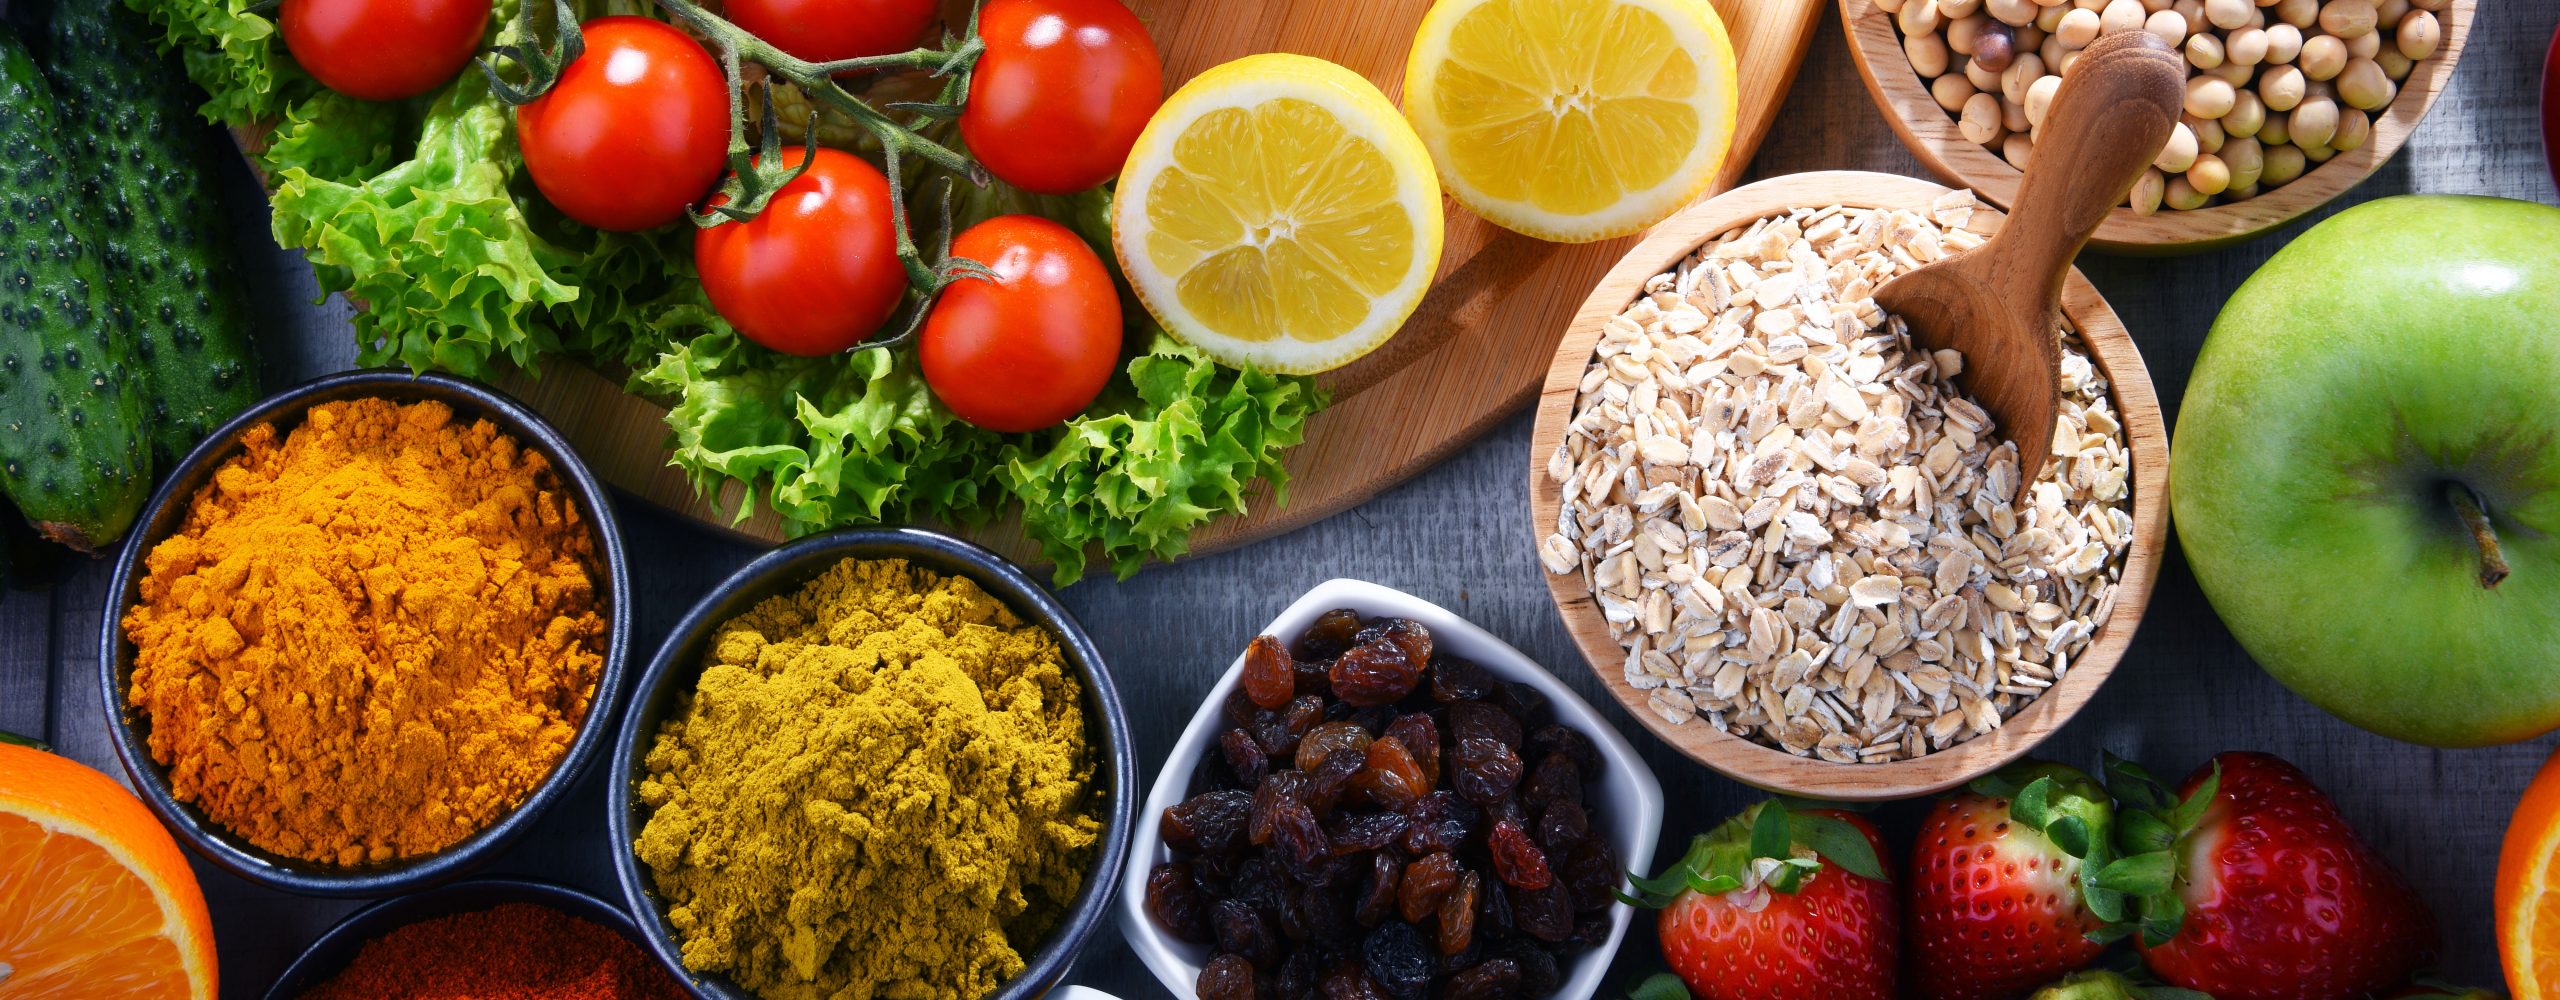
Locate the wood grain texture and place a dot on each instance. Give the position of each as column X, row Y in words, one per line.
column 2111, row 346
column 1876, row 47
column 1471, row 355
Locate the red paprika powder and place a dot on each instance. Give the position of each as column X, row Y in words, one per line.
column 516, row 951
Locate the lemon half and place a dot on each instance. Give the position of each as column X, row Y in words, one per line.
column 1573, row 120
column 1279, row 212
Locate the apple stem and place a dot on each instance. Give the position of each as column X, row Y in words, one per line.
column 2493, row 561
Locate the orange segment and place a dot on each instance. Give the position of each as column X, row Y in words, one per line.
column 95, row 898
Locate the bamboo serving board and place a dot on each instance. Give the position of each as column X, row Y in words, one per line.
column 1473, row 354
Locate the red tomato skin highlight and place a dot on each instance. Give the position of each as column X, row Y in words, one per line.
column 1062, row 92
column 636, row 130
column 1032, row 348
column 828, row 30
column 818, row 271
column 383, row 50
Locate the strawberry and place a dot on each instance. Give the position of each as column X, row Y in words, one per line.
column 1997, row 901
column 2252, row 887
column 1780, row 904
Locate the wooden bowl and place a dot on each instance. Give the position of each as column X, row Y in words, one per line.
column 1875, row 44
column 2110, row 347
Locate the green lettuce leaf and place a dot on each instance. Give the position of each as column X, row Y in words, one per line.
column 234, row 55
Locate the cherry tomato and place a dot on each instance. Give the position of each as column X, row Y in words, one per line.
column 818, row 270
column 1062, row 92
column 383, row 50
column 636, row 130
column 828, row 30
column 1032, row 347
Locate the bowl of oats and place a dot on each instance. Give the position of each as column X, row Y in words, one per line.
column 1785, row 538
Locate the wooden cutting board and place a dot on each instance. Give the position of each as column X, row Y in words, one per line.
column 1472, row 355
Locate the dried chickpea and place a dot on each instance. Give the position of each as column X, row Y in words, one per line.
column 1981, row 120
column 2209, row 134
column 2272, row 134
column 2364, row 85
column 2284, row 43
column 2050, row 18
column 2179, row 152
column 2078, row 29
column 1952, row 91
column 2281, row 87
column 2227, row 14
column 2052, row 52
column 1919, row 17
column 2121, row 15
column 2015, row 13
column 2040, row 98
column 2016, row 148
column 2395, row 65
column 1962, row 31
column 2347, row 18
column 1982, row 77
column 2193, row 11
column 2204, row 50
column 2238, row 193
column 2314, row 123
column 2355, row 128
column 2030, row 38
column 2013, row 116
column 2323, row 57
column 2210, row 97
column 2246, row 159
column 2390, row 11
column 1958, row 9
column 2248, row 114
column 2418, row 35
column 2147, row 190
column 2168, row 27
column 2183, row 196
column 2317, row 154
column 2365, row 46
column 2284, row 164
column 2025, row 71
column 2210, row 176
column 2245, row 47
column 2236, row 75
column 2299, row 13
column 1928, row 53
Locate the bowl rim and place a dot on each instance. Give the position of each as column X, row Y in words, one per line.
column 678, row 660
column 1875, row 46
column 166, row 509
column 2146, row 438
column 1638, row 820
column 384, row 916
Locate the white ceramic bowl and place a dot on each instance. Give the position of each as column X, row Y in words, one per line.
column 1626, row 799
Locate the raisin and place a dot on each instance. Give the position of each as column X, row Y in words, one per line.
column 1396, row 958
column 1296, row 834
column 1590, row 930
column 1477, row 720
column 1524, row 702
column 1545, row 914
column 1563, row 825
column 1493, row 908
column 1347, row 982
column 1457, row 915
column 1486, row 770
column 1591, row 873
column 1241, row 930
column 1246, row 762
column 1297, row 977
column 1257, row 883
column 1332, row 632
column 1441, row 822
column 1392, row 779
column 1492, row 979
column 1207, row 823
column 1516, row 858
column 1333, row 777
column 1373, row 718
column 1375, row 673
column 1226, row 977
column 1367, row 832
column 1420, row 735
column 1279, row 735
column 1456, row 680
column 1378, row 894
column 1425, row 881
column 1275, row 786
column 1240, row 708
column 1538, row 974
column 1324, row 739
column 1506, row 808
column 1407, row 634
column 1566, row 740
column 1175, row 904
column 1554, row 780
column 1270, row 677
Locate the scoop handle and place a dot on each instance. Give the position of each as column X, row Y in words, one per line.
column 2114, row 111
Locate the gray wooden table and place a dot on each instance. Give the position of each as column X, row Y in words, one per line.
column 1459, row 535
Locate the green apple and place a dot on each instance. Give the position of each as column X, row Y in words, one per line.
column 2366, row 471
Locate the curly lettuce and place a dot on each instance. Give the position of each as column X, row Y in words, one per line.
column 226, row 45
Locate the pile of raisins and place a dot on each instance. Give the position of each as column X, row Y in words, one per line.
column 1385, row 822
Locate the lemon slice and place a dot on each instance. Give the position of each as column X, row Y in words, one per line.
column 1279, row 212
column 1573, row 120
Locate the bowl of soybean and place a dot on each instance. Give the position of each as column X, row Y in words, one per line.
column 675, row 674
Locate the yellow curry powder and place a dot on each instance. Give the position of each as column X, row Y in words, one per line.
column 371, row 638
column 880, row 788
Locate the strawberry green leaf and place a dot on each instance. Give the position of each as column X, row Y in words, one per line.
column 2162, row 915
column 2191, row 811
column 2071, row 834
column 2134, row 786
column 2032, row 807
column 1769, row 832
column 2144, row 832
column 1660, row 986
column 1839, row 843
column 2140, row 875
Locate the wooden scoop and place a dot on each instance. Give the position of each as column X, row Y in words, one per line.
column 2000, row 303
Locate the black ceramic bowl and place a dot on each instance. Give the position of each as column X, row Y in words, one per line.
column 337, row 949
column 168, row 510
column 679, row 663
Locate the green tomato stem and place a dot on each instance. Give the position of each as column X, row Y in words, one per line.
column 2475, row 519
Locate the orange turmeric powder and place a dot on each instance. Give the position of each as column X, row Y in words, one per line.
column 372, row 637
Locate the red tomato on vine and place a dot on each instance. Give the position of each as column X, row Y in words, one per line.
column 382, row 50
column 829, row 30
column 1033, row 346
column 818, row 270
column 1062, row 92
column 636, row 130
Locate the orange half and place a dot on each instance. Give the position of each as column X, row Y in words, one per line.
column 2528, row 892
column 95, row 898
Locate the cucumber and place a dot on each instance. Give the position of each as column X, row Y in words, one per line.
column 73, row 454
column 145, row 165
